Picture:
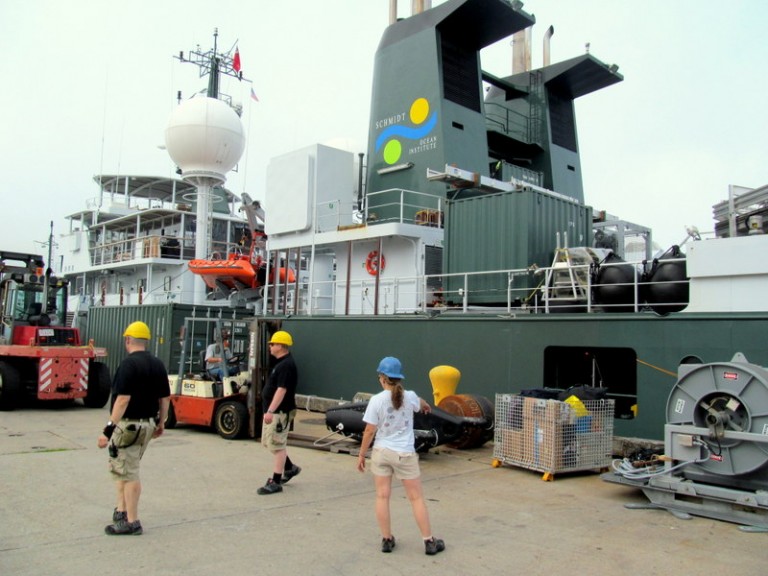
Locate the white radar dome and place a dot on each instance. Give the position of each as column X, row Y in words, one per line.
column 205, row 137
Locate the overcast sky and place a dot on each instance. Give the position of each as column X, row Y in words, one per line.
column 88, row 87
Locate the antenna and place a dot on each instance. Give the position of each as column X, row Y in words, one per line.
column 50, row 244
column 213, row 64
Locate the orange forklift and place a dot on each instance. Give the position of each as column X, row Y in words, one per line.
column 212, row 398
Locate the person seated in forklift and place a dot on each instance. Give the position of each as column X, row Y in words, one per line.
column 213, row 359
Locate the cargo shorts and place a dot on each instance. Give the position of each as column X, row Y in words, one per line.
column 126, row 447
column 274, row 436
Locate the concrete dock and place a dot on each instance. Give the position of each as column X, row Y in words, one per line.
column 202, row 516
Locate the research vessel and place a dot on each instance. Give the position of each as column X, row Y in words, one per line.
column 463, row 236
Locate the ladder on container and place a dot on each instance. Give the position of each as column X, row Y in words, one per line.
column 563, row 280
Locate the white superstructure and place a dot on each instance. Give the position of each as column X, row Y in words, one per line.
column 132, row 243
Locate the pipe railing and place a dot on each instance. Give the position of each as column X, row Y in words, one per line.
column 156, row 246
column 416, row 294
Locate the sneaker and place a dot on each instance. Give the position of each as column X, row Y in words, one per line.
column 271, row 487
column 124, row 528
column 387, row 544
column 290, row 473
column 117, row 516
column 433, row 546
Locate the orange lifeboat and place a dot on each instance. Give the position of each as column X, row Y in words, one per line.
column 236, row 272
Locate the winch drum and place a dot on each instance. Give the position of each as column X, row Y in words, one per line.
column 724, row 396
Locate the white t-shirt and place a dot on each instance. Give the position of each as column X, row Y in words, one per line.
column 394, row 428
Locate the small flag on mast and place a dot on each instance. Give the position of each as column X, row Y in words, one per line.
column 236, row 61
column 253, row 95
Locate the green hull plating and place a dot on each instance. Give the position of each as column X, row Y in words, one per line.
column 634, row 355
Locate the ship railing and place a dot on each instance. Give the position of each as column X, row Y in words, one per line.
column 133, row 204
column 222, row 250
column 392, row 205
column 511, row 123
column 535, row 296
column 404, row 207
column 113, row 252
column 509, row 291
column 155, row 246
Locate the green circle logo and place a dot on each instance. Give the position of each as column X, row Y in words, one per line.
column 392, row 151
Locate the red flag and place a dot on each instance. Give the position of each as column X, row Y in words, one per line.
column 236, row 61
column 253, row 95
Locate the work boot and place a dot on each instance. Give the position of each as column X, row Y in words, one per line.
column 124, row 528
column 119, row 515
column 433, row 546
column 271, row 487
column 290, row 473
column 388, row 544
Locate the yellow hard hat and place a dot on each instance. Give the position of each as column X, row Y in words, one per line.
column 138, row 330
column 281, row 337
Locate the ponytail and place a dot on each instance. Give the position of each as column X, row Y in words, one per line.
column 397, row 394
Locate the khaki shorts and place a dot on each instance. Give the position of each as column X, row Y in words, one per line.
column 274, row 436
column 131, row 440
column 403, row 465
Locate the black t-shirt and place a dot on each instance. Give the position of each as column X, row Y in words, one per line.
column 143, row 377
column 283, row 375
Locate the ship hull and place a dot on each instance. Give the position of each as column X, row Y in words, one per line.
column 634, row 355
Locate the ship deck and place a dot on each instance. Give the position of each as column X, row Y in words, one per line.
column 201, row 513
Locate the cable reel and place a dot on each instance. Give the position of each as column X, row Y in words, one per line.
column 724, row 397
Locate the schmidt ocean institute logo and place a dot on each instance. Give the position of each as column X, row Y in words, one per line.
column 411, row 131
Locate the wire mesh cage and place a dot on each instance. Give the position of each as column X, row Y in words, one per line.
column 551, row 436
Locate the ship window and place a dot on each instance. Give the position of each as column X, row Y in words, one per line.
column 611, row 368
column 461, row 81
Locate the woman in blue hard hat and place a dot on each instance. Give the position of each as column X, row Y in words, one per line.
column 389, row 418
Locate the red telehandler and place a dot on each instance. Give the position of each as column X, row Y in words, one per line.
column 39, row 356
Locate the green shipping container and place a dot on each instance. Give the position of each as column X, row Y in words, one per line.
column 507, row 231
column 165, row 321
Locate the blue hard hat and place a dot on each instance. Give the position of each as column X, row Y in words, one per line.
column 391, row 367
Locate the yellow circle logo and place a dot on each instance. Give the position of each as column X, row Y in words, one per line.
column 419, row 110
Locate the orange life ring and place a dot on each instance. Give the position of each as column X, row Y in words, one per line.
column 371, row 262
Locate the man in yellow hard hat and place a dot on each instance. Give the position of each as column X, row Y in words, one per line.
column 140, row 400
column 279, row 404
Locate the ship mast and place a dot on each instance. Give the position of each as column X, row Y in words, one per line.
column 200, row 167
column 214, row 64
